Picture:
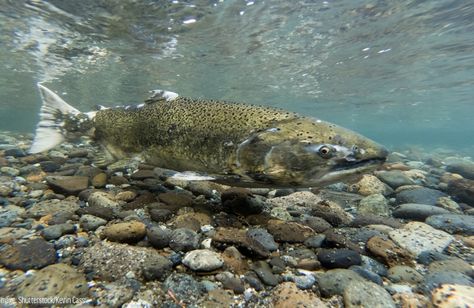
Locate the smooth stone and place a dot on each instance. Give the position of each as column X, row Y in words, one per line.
column 334, row 282
column 56, row 231
column 453, row 295
column 318, row 224
column 288, row 294
column 420, row 195
column 285, row 231
column 70, row 185
column 238, row 237
column 394, row 178
column 427, row 256
column 178, row 199
column 304, row 281
column 31, row 254
column 184, row 240
column 9, row 235
column 433, row 280
column 229, row 281
column 50, row 207
column 338, row 258
column 462, row 190
column 127, row 195
column 464, row 168
column 111, row 261
column 9, row 215
column 332, row 213
column 453, row 223
column 193, row 220
column 449, row 204
column 159, row 237
column 315, row 241
column 417, row 237
column 366, row 294
column 91, row 222
column 160, row 215
column 99, row 180
column 234, row 260
column 142, row 174
column 102, row 199
column 420, row 212
column 15, row 152
column 242, row 201
column 50, row 166
column 389, row 252
column 371, row 276
column 375, row 204
column 203, row 260
column 264, row 272
column 263, row 238
column 97, row 211
column 56, row 280
column 454, row 265
column 370, row 185
column 373, row 266
column 370, row 219
column 404, row 274
column 184, row 287
column 218, row 298
column 125, row 232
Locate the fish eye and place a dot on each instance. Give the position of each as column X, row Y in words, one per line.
column 325, row 151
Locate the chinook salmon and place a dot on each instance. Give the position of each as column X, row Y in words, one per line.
column 234, row 143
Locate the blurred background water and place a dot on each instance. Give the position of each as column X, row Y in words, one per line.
column 401, row 72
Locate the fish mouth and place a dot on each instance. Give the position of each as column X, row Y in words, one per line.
column 348, row 165
column 349, row 170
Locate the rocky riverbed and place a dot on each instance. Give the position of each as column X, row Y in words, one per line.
column 130, row 236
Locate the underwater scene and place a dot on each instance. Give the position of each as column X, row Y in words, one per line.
column 237, row 153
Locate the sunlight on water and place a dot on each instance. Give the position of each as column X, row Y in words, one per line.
column 401, row 72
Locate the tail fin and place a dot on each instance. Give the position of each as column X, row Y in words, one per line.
column 49, row 131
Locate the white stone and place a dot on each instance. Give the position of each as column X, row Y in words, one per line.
column 203, row 260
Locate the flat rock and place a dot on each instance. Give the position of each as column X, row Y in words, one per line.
column 159, row 237
column 9, row 235
column 111, row 261
column 203, row 260
column 417, row 237
column 453, row 223
column 389, row 252
column 366, row 294
column 56, row 231
column 242, row 201
column 125, row 232
column 261, row 237
column 264, row 272
column 370, row 185
column 394, row 178
column 463, row 190
column 370, row 219
column 415, row 211
column 224, row 237
column 338, row 258
column 403, row 273
column 91, row 222
column 375, row 204
column 285, row 231
column 453, row 295
column 433, row 280
column 453, row 264
column 102, row 199
column 50, row 207
column 464, row 168
column 334, row 282
column 57, row 280
column 184, row 287
column 179, row 199
column 288, row 294
column 420, row 195
column 31, row 254
column 332, row 213
column 184, row 240
column 70, row 185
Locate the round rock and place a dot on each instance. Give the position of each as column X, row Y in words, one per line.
column 91, row 223
column 366, row 294
column 420, row 212
column 20, row 256
column 420, row 195
column 183, row 239
column 339, row 258
column 203, row 260
column 453, row 223
column 125, row 232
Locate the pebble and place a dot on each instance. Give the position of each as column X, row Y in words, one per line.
column 375, row 204
column 242, row 201
column 285, row 231
column 332, row 213
column 203, row 260
column 9, row 235
column 125, row 232
column 230, row 282
column 19, row 255
column 404, row 274
column 315, row 241
column 370, row 185
column 91, row 223
column 433, row 280
column 100, row 199
column 178, row 199
column 462, row 190
column 417, row 237
column 335, row 281
column 15, row 152
column 238, row 238
column 70, row 185
column 464, row 168
column 454, row 264
column 184, row 240
column 56, row 231
column 420, row 195
column 160, row 215
column 10, row 171
column 159, row 237
column 98, row 211
column 453, row 295
column 453, row 223
column 99, row 180
column 288, row 294
column 420, row 212
column 263, row 238
column 370, row 219
column 338, row 258
column 371, row 276
column 234, row 260
column 50, row 207
column 264, row 272
column 9, row 215
column 366, row 294
column 184, row 287
column 394, row 178
column 389, row 252
column 56, row 280
column 156, row 268
column 318, row 224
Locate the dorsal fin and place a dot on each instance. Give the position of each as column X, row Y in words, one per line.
column 161, row 95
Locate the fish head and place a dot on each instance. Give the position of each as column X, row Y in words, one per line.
column 308, row 153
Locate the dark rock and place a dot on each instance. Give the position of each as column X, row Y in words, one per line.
column 142, row 174
column 125, row 232
column 242, row 201
column 140, row 202
column 394, row 178
column 388, row 252
column 237, row 237
column 463, row 190
column 56, row 231
column 157, row 268
column 337, row 240
column 99, row 180
column 254, row 282
column 420, row 195
column 15, row 152
column 51, row 207
column 68, row 184
column 318, row 224
column 331, row 212
column 373, row 266
column 338, row 258
column 464, row 168
column 283, row 192
column 263, row 238
column 420, row 212
column 264, row 272
column 315, row 241
column 184, row 240
column 75, row 153
column 285, row 231
column 60, row 218
column 368, row 293
column 404, row 274
column 159, row 237
column 50, row 166
column 334, row 282
column 91, row 223
column 230, row 282
column 427, row 256
column 433, row 280
column 453, row 223
column 118, row 180
column 367, row 274
column 160, row 215
column 98, row 211
column 178, row 199
column 32, row 254
column 184, row 287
